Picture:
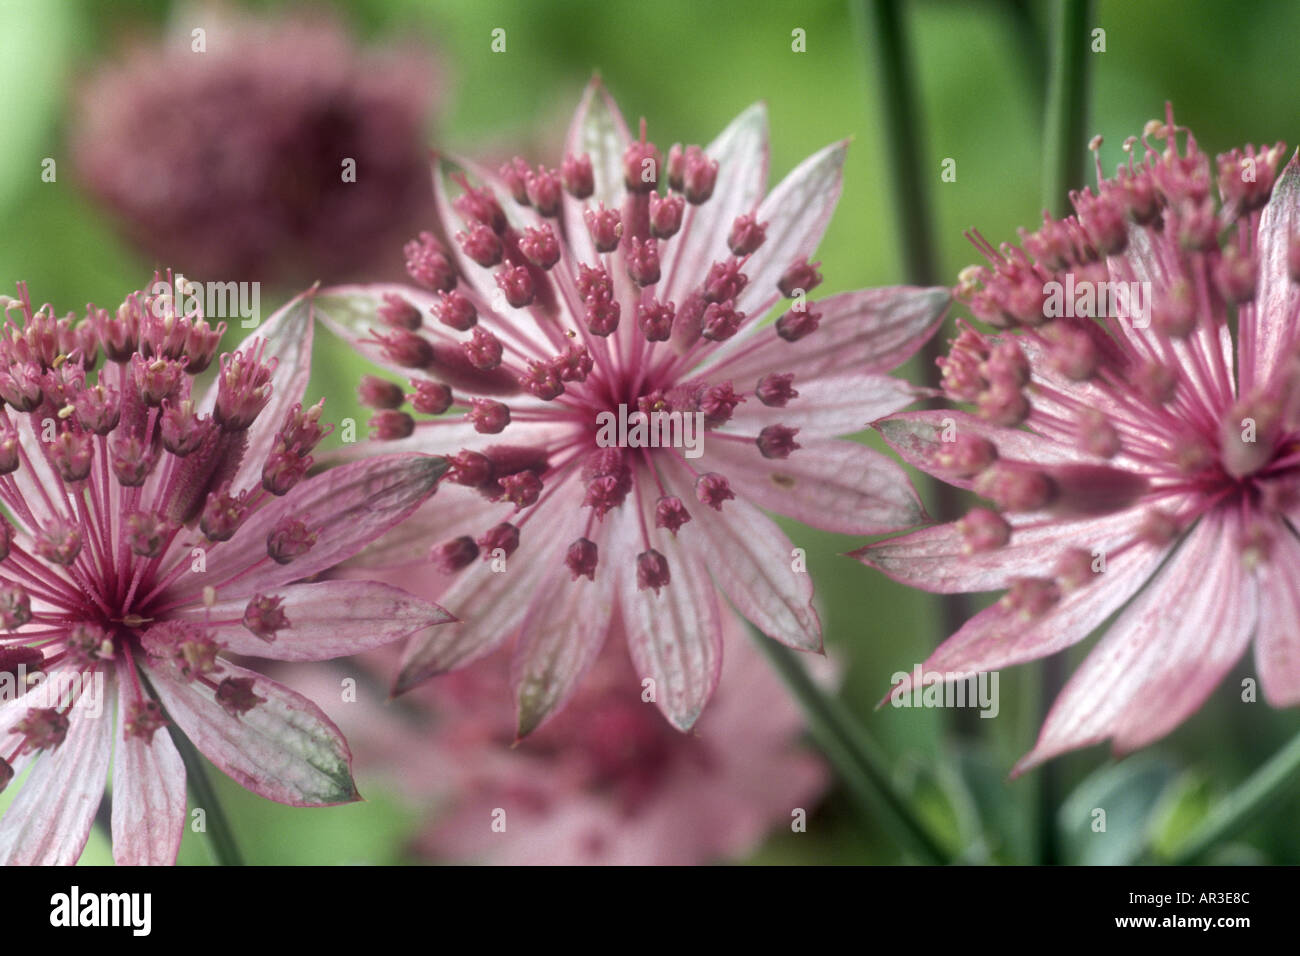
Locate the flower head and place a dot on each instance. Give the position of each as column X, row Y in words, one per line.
column 152, row 530
column 250, row 157
column 1135, row 429
column 619, row 429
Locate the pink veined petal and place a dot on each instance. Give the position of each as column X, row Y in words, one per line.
column 327, row 619
column 865, row 332
column 148, row 793
column 831, row 484
column 288, row 335
column 753, row 562
column 453, row 512
column 828, row 406
column 597, row 129
column 741, row 151
column 1154, row 668
column 50, row 819
column 797, row 212
column 674, row 636
column 562, row 635
column 997, row 637
column 919, row 436
column 351, row 312
column 1277, row 641
column 1269, row 321
column 284, row 749
column 346, row 507
column 935, row 559
column 486, row 601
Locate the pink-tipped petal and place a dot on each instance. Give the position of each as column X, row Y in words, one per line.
column 1154, row 668
column 1277, row 296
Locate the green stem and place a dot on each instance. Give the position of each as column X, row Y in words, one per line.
column 1267, row 785
column 908, row 171
column 221, row 837
column 854, row 756
column 1064, row 139
column 1064, row 155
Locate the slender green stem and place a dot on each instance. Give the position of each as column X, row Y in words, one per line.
column 1272, row 782
column 221, row 837
column 1064, row 155
column 853, row 755
column 1064, row 139
column 909, row 172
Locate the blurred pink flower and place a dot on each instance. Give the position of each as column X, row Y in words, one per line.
column 1130, row 469
column 575, row 298
column 151, row 532
column 230, row 162
column 606, row 782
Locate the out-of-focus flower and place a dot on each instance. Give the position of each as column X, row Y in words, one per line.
column 606, row 782
column 279, row 152
column 1136, row 430
column 148, row 532
column 577, row 305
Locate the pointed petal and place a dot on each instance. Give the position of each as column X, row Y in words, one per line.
column 1154, row 668
column 1269, row 322
column 453, row 512
column 148, row 793
column 919, row 436
column 752, row 562
column 871, row 331
column 829, row 406
column 674, row 636
column 835, row 485
column 285, row 749
column 935, row 559
column 797, row 212
column 562, row 635
column 327, row 619
column 1277, row 643
column 599, row 131
column 741, row 151
column 50, row 819
column 345, row 507
column 997, row 637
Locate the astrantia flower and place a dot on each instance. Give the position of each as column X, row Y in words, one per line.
column 280, row 152
column 569, row 299
column 1145, row 462
column 606, row 782
column 149, row 531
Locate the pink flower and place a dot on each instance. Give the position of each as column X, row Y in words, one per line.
column 152, row 531
column 606, row 782
column 604, row 303
column 252, row 157
column 1135, row 467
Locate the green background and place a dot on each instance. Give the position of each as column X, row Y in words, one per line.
column 689, row 66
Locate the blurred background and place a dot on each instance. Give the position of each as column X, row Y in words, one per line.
column 88, row 85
